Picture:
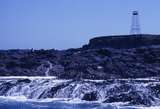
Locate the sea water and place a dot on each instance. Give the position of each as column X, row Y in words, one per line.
column 19, row 103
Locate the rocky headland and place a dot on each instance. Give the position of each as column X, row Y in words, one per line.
column 109, row 69
column 124, row 56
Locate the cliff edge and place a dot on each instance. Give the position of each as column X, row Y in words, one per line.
column 124, row 41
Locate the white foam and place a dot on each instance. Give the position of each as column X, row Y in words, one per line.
column 54, row 77
column 48, row 69
column 152, row 107
column 141, row 79
column 94, row 80
column 24, row 99
column 16, row 98
column 28, row 77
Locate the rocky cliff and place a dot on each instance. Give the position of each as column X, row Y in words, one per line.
column 124, row 41
column 104, row 57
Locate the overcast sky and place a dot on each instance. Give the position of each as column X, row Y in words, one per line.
column 62, row 24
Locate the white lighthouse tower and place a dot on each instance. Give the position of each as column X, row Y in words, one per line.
column 135, row 26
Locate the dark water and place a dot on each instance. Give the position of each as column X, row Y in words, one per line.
column 56, row 105
column 17, row 104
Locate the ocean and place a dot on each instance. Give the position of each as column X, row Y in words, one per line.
column 19, row 103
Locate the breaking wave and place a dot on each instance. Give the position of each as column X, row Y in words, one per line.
column 51, row 93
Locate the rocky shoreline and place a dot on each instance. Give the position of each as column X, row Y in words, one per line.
column 131, row 92
column 92, row 61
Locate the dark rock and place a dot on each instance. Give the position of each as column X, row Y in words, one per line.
column 134, row 98
column 155, row 89
column 124, row 41
column 139, row 98
column 50, row 93
column 23, row 81
column 5, row 87
column 91, row 96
